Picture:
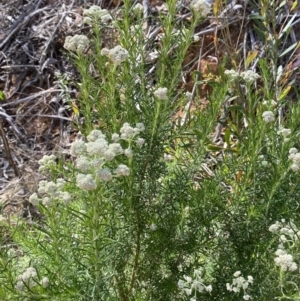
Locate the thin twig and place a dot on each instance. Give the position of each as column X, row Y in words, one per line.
column 31, row 97
column 7, row 150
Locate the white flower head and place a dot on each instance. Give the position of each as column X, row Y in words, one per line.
column 139, row 141
column 275, row 227
column 236, row 289
column 293, row 150
column 86, row 182
column 104, row 174
column 97, row 147
column 105, row 17
column 127, row 132
column 168, row 157
column 295, row 167
column 122, row 170
column 60, row 183
column 46, row 163
column 42, row 185
column 140, row 127
column 153, row 227
column 128, row 153
column 27, row 277
column 47, row 201
column 116, row 148
column 229, row 287
column 187, row 291
column 115, row 137
column 77, row 43
column 249, row 76
column 29, row 273
column 239, row 283
column 50, row 187
column 268, row 116
column 65, row 197
column 95, row 14
column 117, row 54
column 105, row 52
column 196, row 38
column 95, row 135
column 232, row 74
column 161, row 93
column 47, row 160
column 19, row 286
column 198, row 285
column 285, row 261
column 284, row 132
column 296, row 159
column 109, row 155
column 272, row 103
column 45, row 282
column 82, row 163
column 97, row 162
column 33, row 199
column 78, row 148
column 201, row 7
column 181, row 284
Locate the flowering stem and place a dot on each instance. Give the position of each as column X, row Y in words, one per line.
column 274, row 189
column 96, row 229
column 137, row 254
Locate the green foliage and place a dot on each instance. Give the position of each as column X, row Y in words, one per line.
column 194, row 202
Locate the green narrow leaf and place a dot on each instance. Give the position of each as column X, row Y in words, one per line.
column 227, row 137
column 284, row 93
column 214, row 148
column 2, row 96
column 287, row 26
column 250, row 57
column 289, row 49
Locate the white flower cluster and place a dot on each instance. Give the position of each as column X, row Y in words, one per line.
column 50, row 192
column 268, row 116
column 248, row 76
column 201, row 7
column 262, row 161
column 294, row 155
column 77, row 43
column 46, row 164
column 30, row 279
column 284, row 133
column 117, row 54
column 196, row 284
column 270, row 103
column 161, row 93
column 285, row 261
column 240, row 283
column 288, row 232
column 96, row 13
column 196, row 38
column 94, row 154
column 232, row 74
